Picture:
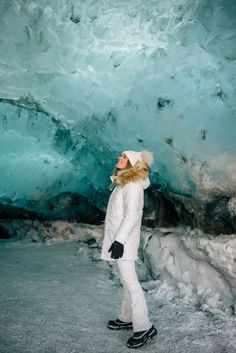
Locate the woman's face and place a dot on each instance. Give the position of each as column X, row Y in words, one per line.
column 122, row 161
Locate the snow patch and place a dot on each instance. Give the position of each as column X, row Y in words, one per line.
column 192, row 266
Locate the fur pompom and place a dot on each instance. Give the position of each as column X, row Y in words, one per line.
column 147, row 157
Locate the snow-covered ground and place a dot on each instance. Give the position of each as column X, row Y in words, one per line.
column 57, row 296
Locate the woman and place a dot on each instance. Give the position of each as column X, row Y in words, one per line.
column 121, row 241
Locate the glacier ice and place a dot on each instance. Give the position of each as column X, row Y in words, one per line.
column 81, row 81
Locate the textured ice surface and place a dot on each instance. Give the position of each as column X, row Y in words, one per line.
column 83, row 80
column 183, row 265
column 80, row 81
column 197, row 268
column 58, row 298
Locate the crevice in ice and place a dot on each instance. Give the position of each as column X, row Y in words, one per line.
column 163, row 102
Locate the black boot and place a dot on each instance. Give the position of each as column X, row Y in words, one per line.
column 139, row 338
column 119, row 325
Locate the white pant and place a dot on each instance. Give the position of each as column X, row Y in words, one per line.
column 134, row 306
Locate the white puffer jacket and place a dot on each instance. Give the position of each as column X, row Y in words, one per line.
column 123, row 217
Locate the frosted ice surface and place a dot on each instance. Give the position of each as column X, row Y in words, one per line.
column 80, row 81
column 196, row 268
column 57, row 297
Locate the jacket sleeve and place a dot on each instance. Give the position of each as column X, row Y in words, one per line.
column 132, row 217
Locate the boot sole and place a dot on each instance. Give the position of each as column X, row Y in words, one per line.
column 114, row 328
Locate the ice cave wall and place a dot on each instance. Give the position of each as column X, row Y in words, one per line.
column 198, row 269
column 81, row 81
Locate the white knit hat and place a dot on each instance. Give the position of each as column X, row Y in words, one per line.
column 143, row 156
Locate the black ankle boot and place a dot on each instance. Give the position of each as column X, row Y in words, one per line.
column 139, row 338
column 119, row 325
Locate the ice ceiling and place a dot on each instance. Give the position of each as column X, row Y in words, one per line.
column 81, row 81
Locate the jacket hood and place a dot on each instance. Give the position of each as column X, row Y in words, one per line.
column 145, row 183
column 139, row 173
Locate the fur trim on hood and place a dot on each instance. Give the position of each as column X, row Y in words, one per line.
column 139, row 172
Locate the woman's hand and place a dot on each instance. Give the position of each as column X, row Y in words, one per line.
column 117, row 250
